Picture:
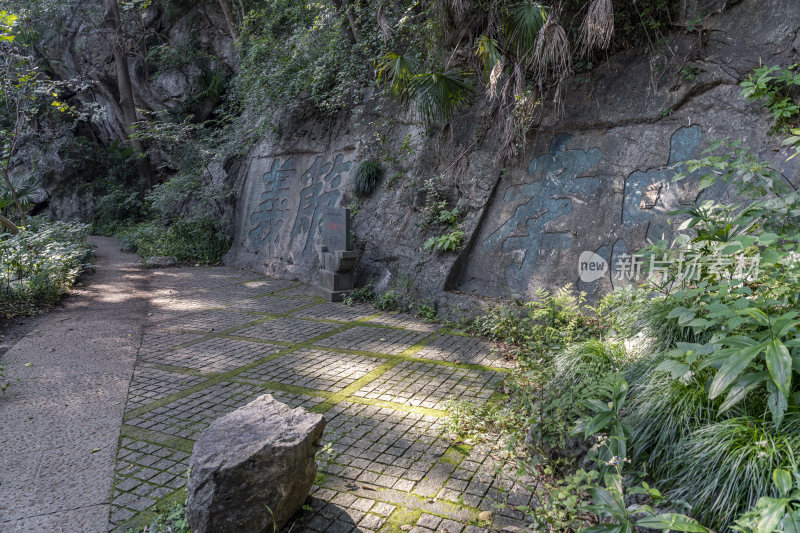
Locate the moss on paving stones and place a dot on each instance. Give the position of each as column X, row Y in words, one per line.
column 402, row 417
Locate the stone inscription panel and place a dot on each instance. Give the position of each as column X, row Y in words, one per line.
column 336, row 229
column 285, row 205
column 578, row 198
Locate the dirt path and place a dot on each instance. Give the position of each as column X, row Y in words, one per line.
column 59, row 424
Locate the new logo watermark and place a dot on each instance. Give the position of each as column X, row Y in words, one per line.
column 687, row 266
column 591, row 267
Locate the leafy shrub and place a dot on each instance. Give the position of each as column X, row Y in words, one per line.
column 120, row 207
column 542, row 325
column 171, row 520
column 40, row 264
column 187, row 240
column 447, row 242
column 367, row 178
column 426, row 311
column 582, row 371
column 387, row 301
column 364, row 294
column 778, row 88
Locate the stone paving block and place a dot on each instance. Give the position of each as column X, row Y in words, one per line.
column 336, row 311
column 356, row 430
column 468, row 350
column 375, row 340
column 400, row 320
column 213, row 355
column 151, row 384
column 230, row 299
column 160, row 340
column 287, row 330
column 188, row 416
column 429, row 385
column 266, row 285
column 205, row 321
column 184, row 278
column 298, row 291
column 314, row 369
column 273, row 305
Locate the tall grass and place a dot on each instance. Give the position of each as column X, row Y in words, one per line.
column 723, row 468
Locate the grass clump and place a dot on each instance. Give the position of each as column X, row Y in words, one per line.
column 367, row 178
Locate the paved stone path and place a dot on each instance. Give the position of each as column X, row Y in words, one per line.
column 213, row 339
column 59, row 425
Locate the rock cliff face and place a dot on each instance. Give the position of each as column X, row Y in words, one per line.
column 187, row 45
column 599, row 179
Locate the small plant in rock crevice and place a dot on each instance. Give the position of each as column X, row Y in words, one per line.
column 438, row 212
column 367, row 177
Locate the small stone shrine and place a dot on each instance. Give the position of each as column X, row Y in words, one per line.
column 337, row 258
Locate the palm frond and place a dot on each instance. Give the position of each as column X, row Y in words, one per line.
column 489, row 53
column 523, row 23
column 492, row 88
column 598, row 26
column 397, row 71
column 440, row 94
column 552, row 52
column 24, row 186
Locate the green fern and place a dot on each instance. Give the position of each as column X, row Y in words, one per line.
column 449, row 242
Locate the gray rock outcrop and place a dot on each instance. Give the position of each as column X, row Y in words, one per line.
column 251, row 465
column 597, row 179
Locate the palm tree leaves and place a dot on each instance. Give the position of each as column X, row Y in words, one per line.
column 522, row 54
column 24, row 186
column 522, row 25
column 436, row 94
column 440, row 94
column 396, row 70
column 488, row 50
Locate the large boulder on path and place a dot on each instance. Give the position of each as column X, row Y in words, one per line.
column 253, row 466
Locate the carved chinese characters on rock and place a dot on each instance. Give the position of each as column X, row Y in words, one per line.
column 288, row 215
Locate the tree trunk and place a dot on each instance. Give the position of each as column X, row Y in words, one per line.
column 226, row 10
column 113, row 23
column 10, row 226
column 348, row 24
column 13, row 191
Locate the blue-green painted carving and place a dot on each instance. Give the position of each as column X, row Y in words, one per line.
column 549, row 198
column 651, row 192
column 273, row 207
column 322, row 190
